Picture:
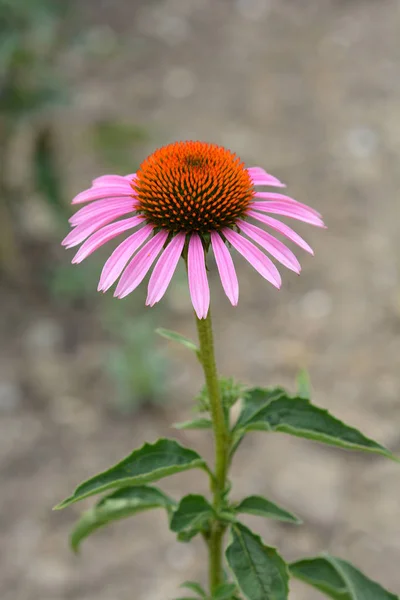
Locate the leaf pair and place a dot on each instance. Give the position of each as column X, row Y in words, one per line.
column 194, row 514
column 262, row 574
column 149, row 463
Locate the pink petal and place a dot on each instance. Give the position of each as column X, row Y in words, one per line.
column 100, row 207
column 103, row 236
column 197, row 275
column 261, row 177
column 288, row 210
column 137, row 269
column 103, row 191
column 226, row 268
column 272, row 245
column 254, row 256
column 86, row 228
column 118, row 259
column 164, row 269
column 283, row 198
column 282, row 228
column 106, row 180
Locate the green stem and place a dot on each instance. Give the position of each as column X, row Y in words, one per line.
column 221, row 437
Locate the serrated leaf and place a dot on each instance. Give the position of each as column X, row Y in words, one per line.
column 260, row 572
column 119, row 505
column 303, row 384
column 192, row 512
column 338, row 579
column 261, row 507
column 224, row 592
column 255, row 399
column 201, row 423
column 193, row 586
column 297, row 416
column 177, row 337
column 149, row 463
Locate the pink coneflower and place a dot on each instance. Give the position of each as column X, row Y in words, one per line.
column 186, row 197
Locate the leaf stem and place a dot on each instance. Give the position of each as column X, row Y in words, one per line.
column 222, row 442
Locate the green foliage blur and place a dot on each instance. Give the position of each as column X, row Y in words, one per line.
column 34, row 36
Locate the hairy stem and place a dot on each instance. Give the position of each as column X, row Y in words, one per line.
column 221, row 437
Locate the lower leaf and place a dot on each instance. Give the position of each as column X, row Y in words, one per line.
column 149, row 463
column 260, row 572
column 119, row 505
column 191, row 514
column 225, row 591
column 338, row 579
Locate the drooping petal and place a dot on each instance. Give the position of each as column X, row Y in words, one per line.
column 137, row 269
column 288, row 210
column 83, row 230
column 281, row 228
column 283, row 198
column 103, row 236
column 164, row 269
column 226, row 268
column 103, row 191
column 100, row 207
column 261, row 177
column 197, row 275
column 275, row 247
column 105, row 180
column 254, row 256
column 119, row 258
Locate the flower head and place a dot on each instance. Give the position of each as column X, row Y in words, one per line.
column 186, row 197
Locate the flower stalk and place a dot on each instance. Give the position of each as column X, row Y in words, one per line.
column 222, row 443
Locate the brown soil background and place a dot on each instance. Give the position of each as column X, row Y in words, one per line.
column 310, row 90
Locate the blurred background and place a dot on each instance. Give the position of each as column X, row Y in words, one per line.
column 309, row 90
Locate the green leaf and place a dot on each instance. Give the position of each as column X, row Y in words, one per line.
column 298, row 417
column 186, row 536
column 338, row 579
column 261, row 507
column 303, row 384
column 149, row 463
column 192, row 513
column 260, row 572
column 224, row 592
column 122, row 503
column 255, row 399
column 177, row 337
column 195, row 587
column 194, row 424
